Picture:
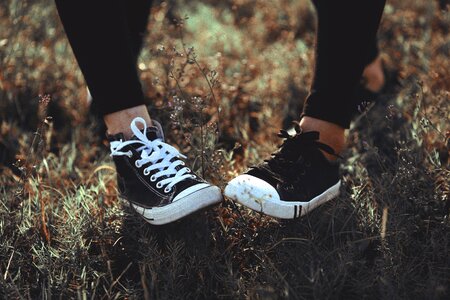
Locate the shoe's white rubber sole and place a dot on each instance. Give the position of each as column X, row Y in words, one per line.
column 183, row 206
column 260, row 196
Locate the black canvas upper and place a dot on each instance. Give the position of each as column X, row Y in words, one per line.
column 298, row 170
column 136, row 187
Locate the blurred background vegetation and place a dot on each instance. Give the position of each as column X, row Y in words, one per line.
column 223, row 77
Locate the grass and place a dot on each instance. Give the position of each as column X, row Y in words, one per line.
column 65, row 234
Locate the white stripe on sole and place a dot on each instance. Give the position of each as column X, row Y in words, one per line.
column 260, row 196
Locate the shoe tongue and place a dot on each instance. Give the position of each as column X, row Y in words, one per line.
column 309, row 135
column 152, row 133
column 115, row 137
column 299, row 144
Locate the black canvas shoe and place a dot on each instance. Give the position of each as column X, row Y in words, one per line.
column 294, row 181
column 152, row 176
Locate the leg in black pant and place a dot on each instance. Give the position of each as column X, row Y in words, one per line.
column 137, row 13
column 345, row 44
column 106, row 38
column 304, row 173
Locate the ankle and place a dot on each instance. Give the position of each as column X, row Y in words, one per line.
column 331, row 134
column 119, row 121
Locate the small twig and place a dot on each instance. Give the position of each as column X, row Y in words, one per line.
column 178, row 84
column 211, row 94
column 202, row 146
column 144, row 284
column 423, row 104
column 384, row 223
column 44, row 219
column 9, row 264
column 206, row 78
column 120, row 276
column 283, row 240
column 363, row 114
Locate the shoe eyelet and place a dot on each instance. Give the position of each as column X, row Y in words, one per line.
column 146, row 172
column 188, row 170
column 167, row 190
column 130, row 154
column 183, row 163
column 137, row 164
column 153, row 178
column 193, row 176
column 159, row 185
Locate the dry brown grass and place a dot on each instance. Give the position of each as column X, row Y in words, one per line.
column 65, row 234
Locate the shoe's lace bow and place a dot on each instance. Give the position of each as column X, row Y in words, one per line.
column 155, row 156
column 294, row 146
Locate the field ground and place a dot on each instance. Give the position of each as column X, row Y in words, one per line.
column 65, row 234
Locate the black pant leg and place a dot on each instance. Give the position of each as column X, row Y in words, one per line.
column 373, row 51
column 137, row 14
column 346, row 32
column 100, row 38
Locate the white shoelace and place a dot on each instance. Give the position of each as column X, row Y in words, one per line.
column 152, row 152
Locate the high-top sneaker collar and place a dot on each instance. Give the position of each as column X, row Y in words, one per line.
column 152, row 132
column 295, row 144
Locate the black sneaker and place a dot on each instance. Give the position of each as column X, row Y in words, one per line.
column 152, row 176
column 294, row 181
